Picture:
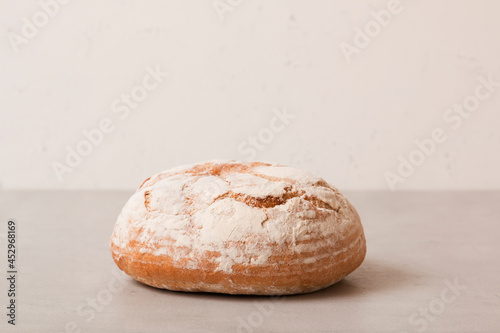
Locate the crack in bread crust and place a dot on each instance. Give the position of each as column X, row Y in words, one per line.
column 273, row 201
column 266, row 202
column 147, row 200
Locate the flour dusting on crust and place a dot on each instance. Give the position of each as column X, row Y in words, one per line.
column 238, row 211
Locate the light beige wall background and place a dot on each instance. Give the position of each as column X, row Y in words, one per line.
column 353, row 116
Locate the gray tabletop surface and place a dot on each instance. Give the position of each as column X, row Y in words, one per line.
column 432, row 266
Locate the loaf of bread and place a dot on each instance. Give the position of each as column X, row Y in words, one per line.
column 238, row 228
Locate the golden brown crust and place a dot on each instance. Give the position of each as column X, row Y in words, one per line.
column 302, row 234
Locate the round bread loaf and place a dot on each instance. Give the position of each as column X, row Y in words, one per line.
column 238, row 228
